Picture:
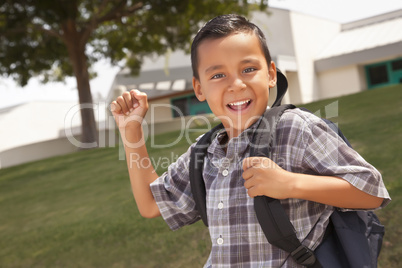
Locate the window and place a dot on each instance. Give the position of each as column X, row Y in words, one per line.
column 180, row 107
column 397, row 65
column 378, row 74
column 189, row 105
column 384, row 73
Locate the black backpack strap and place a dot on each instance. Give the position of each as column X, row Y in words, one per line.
column 280, row 232
column 270, row 214
column 281, row 87
column 195, row 171
column 264, row 135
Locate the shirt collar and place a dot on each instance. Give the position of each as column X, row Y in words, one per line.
column 237, row 146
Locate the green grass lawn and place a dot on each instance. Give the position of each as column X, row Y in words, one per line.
column 78, row 211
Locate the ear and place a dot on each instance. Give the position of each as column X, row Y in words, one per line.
column 272, row 75
column 198, row 90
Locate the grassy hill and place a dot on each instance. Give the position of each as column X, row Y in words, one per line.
column 78, row 211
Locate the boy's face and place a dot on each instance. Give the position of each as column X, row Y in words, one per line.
column 234, row 78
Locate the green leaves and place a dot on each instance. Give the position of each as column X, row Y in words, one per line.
column 60, row 38
column 34, row 33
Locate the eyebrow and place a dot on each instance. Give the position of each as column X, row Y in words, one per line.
column 213, row 68
column 218, row 66
column 250, row 60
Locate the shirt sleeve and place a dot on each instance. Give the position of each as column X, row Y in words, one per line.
column 173, row 195
column 325, row 153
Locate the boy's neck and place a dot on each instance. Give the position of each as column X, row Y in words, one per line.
column 232, row 132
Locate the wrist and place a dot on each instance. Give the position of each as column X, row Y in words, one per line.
column 296, row 185
column 132, row 136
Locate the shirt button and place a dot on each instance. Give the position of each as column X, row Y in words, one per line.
column 225, row 172
column 219, row 241
column 220, row 205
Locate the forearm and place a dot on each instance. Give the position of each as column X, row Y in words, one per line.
column 141, row 172
column 332, row 191
column 129, row 111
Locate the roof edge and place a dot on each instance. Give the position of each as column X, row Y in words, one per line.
column 371, row 20
column 358, row 57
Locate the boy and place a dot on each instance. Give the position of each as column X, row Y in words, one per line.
column 311, row 172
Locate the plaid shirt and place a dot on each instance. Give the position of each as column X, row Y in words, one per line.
column 304, row 144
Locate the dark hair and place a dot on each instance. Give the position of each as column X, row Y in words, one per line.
column 223, row 26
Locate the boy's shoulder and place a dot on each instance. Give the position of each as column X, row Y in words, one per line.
column 299, row 124
column 297, row 117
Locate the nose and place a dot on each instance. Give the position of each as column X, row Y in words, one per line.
column 236, row 84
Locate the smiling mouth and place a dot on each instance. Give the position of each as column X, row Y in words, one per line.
column 239, row 105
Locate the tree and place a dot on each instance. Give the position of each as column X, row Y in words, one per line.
column 58, row 38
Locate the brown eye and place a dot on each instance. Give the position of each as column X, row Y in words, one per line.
column 217, row 76
column 249, row 70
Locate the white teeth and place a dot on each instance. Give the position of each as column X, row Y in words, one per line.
column 238, row 103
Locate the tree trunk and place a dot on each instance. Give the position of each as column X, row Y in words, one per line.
column 76, row 49
column 88, row 128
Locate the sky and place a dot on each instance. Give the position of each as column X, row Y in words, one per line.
column 336, row 10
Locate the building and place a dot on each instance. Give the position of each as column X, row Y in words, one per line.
column 321, row 59
column 38, row 130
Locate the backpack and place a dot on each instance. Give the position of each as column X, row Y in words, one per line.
column 352, row 239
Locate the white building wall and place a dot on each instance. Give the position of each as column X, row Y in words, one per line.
column 310, row 35
column 35, row 151
column 34, row 122
column 294, row 93
column 42, row 129
column 340, row 81
column 159, row 111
